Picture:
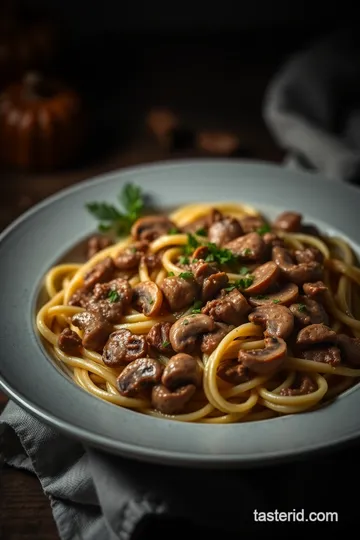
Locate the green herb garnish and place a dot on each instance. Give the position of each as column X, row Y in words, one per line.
column 197, row 307
column 165, row 344
column 243, row 271
column 173, row 230
column 302, row 308
column 186, row 322
column 184, row 260
column 113, row 296
column 186, row 275
column 242, row 283
column 261, row 297
column 151, row 301
column 276, row 301
column 247, row 251
column 264, row 229
column 219, row 255
column 191, row 245
column 170, row 274
column 113, row 219
column 201, row 232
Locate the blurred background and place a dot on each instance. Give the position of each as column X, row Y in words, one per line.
column 92, row 86
column 87, row 87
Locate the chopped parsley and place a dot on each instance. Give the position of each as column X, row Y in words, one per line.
column 242, row 283
column 173, row 230
column 170, row 274
column 243, row 271
column 186, row 275
column 186, row 322
column 191, row 245
column 201, row 232
column 184, row 260
column 165, row 344
column 151, row 301
column 261, row 297
column 113, row 296
column 197, row 307
column 302, row 308
column 219, row 255
column 247, row 251
column 118, row 220
column 264, row 229
column 276, row 301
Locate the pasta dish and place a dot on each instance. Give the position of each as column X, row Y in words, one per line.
column 209, row 314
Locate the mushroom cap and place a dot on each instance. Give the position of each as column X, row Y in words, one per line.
column 265, row 360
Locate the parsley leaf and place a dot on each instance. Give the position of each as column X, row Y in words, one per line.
column 243, row 283
column 262, row 297
column 247, row 251
column 117, row 220
column 165, row 344
column 264, row 229
column 201, row 232
column 183, row 260
column 219, row 255
column 197, row 307
column 243, row 271
column 276, row 301
column 113, row 296
column 173, row 230
column 302, row 308
column 191, row 245
column 170, row 274
column 186, row 275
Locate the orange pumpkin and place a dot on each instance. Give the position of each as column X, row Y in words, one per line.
column 41, row 124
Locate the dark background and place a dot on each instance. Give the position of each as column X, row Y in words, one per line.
column 208, row 62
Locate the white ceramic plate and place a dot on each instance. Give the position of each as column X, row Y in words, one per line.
column 42, row 236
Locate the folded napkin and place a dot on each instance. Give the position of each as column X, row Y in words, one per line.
column 312, row 108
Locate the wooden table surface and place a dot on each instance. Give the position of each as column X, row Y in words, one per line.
column 219, row 88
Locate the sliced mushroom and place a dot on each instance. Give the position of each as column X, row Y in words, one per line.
column 308, row 311
column 151, row 227
column 264, row 277
column 123, row 347
column 315, row 334
column 278, row 321
column 168, row 402
column 296, row 273
column 350, row 348
column 187, row 331
column 288, row 222
column 221, row 232
column 264, row 360
column 211, row 340
column 233, row 372
column 147, row 298
column 179, row 292
column 138, row 376
column 248, row 248
column 159, row 337
column 212, row 285
column 286, row 296
column 181, row 370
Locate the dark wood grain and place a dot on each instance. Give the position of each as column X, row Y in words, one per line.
column 209, row 88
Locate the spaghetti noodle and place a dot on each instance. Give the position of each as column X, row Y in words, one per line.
column 211, row 315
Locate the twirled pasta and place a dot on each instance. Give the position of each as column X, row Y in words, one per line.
column 216, row 401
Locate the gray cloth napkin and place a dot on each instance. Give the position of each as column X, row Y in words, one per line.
column 312, row 108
